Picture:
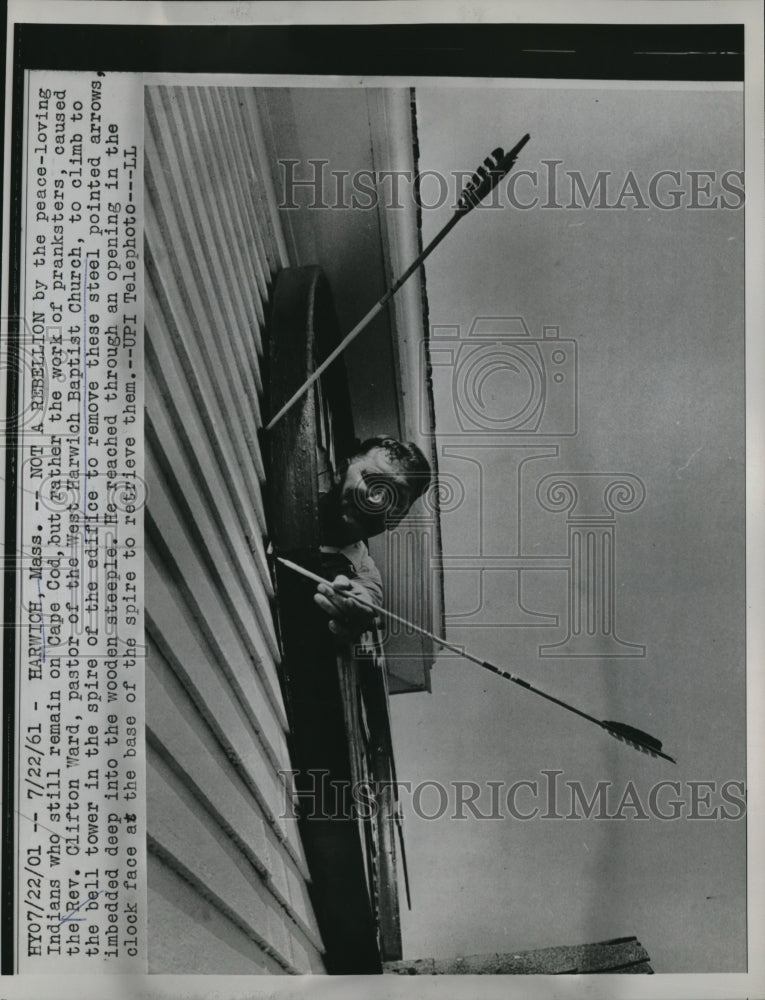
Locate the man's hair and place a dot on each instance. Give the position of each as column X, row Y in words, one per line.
column 411, row 459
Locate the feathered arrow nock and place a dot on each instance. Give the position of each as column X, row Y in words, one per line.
column 488, row 175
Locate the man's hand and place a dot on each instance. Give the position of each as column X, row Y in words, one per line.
column 348, row 619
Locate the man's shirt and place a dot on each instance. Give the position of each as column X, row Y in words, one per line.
column 365, row 573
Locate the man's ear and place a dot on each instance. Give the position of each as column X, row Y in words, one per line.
column 345, row 461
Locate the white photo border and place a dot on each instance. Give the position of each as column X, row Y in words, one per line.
column 747, row 12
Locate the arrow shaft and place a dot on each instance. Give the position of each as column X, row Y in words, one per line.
column 469, row 200
column 374, row 607
column 459, row 650
column 364, row 321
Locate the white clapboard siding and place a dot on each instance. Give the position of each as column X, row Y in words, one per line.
column 193, row 752
column 203, row 939
column 171, row 401
column 228, row 881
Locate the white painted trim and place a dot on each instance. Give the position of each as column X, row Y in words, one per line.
column 393, row 150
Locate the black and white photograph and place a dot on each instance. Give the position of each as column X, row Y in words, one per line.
column 550, row 421
column 388, row 397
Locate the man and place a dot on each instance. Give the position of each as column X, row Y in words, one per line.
column 374, row 492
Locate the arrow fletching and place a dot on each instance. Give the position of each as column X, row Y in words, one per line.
column 488, row 175
column 636, row 738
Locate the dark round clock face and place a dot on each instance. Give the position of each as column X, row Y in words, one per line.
column 499, row 387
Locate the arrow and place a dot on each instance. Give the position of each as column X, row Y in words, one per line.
column 633, row 737
column 482, row 182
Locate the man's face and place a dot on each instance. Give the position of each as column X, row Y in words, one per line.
column 374, row 495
